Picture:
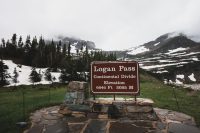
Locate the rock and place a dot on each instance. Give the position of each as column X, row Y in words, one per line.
column 96, row 126
column 182, row 128
column 113, row 112
column 137, row 109
column 36, row 129
column 50, row 117
column 176, row 116
column 92, row 115
column 117, row 127
column 77, row 85
column 142, row 116
column 59, row 127
column 76, row 127
column 104, row 109
column 146, row 124
column 71, row 119
column 121, row 107
column 161, row 125
column 78, row 114
column 97, row 107
column 65, row 111
column 79, row 107
column 103, row 116
column 75, row 97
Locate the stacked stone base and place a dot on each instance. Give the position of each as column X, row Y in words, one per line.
column 108, row 116
column 142, row 109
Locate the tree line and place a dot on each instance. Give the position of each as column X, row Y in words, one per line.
column 54, row 55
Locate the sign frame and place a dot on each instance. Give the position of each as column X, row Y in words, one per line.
column 137, row 93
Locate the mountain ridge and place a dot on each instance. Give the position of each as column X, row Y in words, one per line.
column 168, row 57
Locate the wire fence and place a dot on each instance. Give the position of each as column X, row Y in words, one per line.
column 17, row 104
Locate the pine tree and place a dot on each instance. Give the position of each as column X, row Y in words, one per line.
column 15, row 76
column 27, row 53
column 14, row 39
column 58, row 48
column 35, row 76
column 20, row 43
column 3, row 74
column 69, row 49
column 33, row 52
column 3, row 43
column 48, row 75
column 64, row 50
column 64, row 76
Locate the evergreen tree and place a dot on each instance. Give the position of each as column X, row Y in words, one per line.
column 64, row 76
column 27, row 53
column 69, row 49
column 3, row 43
column 20, row 42
column 58, row 49
column 33, row 52
column 64, row 50
column 15, row 76
column 35, row 76
column 48, row 75
column 3, row 74
column 40, row 58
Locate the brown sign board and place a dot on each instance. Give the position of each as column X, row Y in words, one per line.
column 115, row 77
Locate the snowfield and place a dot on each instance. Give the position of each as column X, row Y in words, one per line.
column 137, row 50
column 24, row 72
column 176, row 50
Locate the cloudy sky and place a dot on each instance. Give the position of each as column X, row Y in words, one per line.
column 111, row 24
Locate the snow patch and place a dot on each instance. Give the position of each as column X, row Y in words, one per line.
column 165, row 61
column 156, row 44
column 73, row 48
column 164, row 65
column 192, row 77
column 181, row 76
column 165, row 71
column 176, row 50
column 137, row 50
column 192, row 53
column 24, row 72
column 195, row 59
column 178, row 82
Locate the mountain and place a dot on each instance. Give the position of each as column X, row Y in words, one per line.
column 174, row 58
column 77, row 42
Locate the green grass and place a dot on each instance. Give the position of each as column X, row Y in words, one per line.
column 163, row 96
column 11, row 105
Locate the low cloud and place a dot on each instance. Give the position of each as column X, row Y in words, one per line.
column 111, row 24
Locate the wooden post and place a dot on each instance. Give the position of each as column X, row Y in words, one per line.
column 93, row 96
column 135, row 99
column 23, row 103
column 114, row 97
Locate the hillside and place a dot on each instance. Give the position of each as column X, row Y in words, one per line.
column 24, row 72
column 172, row 58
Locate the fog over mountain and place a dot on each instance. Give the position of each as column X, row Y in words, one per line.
column 110, row 24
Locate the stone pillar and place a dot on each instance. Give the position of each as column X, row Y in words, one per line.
column 76, row 92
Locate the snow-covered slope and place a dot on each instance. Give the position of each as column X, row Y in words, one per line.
column 24, row 72
column 173, row 58
column 137, row 50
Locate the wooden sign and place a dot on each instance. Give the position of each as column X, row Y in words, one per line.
column 115, row 77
